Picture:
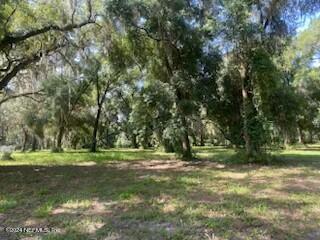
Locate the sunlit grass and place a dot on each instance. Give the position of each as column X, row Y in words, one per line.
column 78, row 157
column 82, row 156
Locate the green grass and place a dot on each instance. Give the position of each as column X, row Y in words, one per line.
column 143, row 194
column 6, row 204
column 44, row 210
column 82, row 156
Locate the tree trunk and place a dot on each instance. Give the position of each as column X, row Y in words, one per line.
column 248, row 111
column 300, row 135
column 300, row 138
column 145, row 142
column 25, row 140
column 134, row 141
column 286, row 140
column 159, row 137
column 201, row 140
column 60, row 138
column 95, row 130
column 194, row 139
column 107, row 135
column 310, row 136
column 202, row 135
column 186, row 148
column 34, row 143
column 245, row 109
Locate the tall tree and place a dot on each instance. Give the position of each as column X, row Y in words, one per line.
column 167, row 40
column 255, row 33
column 104, row 80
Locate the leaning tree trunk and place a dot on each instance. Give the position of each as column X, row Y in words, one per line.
column 95, row 129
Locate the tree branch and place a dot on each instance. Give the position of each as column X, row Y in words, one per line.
column 14, row 39
column 9, row 18
column 26, row 94
column 4, row 80
column 146, row 31
column 22, row 65
column 8, row 65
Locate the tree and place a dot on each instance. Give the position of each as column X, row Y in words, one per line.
column 24, row 40
column 35, row 120
column 150, row 113
column 167, row 40
column 256, row 34
column 300, row 63
column 104, row 79
column 65, row 96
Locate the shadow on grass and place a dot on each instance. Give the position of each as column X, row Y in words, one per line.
column 95, row 202
column 134, row 202
column 298, row 160
column 302, row 157
column 289, row 158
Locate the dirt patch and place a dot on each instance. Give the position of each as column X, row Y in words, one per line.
column 205, row 197
column 301, row 185
column 153, row 165
column 96, row 208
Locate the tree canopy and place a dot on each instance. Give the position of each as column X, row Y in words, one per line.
column 159, row 74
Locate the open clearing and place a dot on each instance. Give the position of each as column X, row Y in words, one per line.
column 126, row 194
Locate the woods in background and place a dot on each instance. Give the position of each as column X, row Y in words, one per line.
column 159, row 74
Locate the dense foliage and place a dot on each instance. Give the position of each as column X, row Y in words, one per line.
column 159, row 74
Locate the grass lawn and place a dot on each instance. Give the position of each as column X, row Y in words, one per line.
column 126, row 194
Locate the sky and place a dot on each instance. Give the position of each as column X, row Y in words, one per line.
column 306, row 22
